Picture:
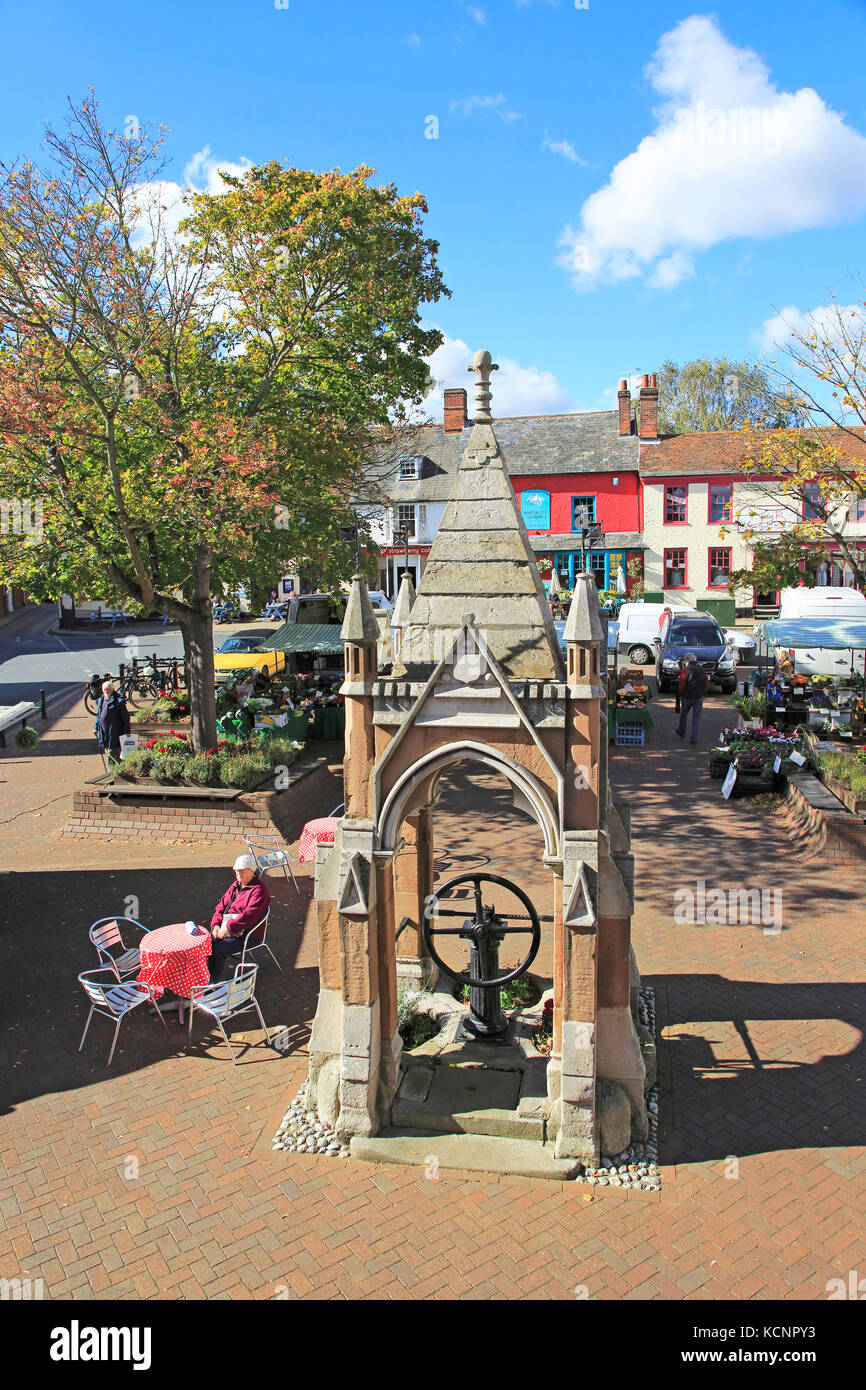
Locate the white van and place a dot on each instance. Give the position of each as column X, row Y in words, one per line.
column 639, row 625
column 822, row 602
column 825, row 604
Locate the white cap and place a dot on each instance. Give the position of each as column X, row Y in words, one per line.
column 244, row 861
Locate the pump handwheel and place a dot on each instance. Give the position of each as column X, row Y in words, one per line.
column 467, row 932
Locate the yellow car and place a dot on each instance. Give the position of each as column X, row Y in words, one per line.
column 247, row 654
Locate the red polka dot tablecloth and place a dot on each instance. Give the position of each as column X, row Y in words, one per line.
column 316, row 832
column 172, row 959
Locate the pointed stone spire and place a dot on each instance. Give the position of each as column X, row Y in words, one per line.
column 400, row 620
column 482, row 366
column 482, row 561
column 584, row 616
column 359, row 624
column 405, row 600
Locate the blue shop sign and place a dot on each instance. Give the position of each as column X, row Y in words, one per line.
column 535, row 509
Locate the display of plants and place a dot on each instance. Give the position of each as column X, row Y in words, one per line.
column 170, row 758
column 848, row 768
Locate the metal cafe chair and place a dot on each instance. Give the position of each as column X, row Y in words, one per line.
column 105, row 936
column 250, row 945
column 270, row 854
column 113, row 1000
column 226, row 999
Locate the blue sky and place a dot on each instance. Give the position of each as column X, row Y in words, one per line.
column 599, row 202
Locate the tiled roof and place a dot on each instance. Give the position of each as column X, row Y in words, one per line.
column 719, row 451
column 529, row 444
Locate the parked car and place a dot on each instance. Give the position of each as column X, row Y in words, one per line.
column 315, row 608
column 697, row 633
column 240, row 644
column 381, row 602
column 742, row 644
column 248, row 652
column 639, row 625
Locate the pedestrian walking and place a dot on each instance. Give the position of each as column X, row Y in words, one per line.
column 692, row 686
column 112, row 721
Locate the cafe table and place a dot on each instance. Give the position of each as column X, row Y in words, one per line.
column 316, row 832
column 172, row 958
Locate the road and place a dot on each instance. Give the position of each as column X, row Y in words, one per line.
column 33, row 659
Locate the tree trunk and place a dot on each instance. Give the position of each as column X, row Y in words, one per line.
column 198, row 657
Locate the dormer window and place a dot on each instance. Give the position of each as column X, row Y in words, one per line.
column 409, row 467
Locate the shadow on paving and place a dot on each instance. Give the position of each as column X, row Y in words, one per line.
column 727, row 1106
column 44, row 946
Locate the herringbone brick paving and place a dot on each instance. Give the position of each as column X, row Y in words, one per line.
column 156, row 1180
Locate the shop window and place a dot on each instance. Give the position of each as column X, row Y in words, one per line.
column 675, row 569
column 720, row 567
column 582, row 512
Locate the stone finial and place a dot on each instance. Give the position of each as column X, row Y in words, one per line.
column 584, row 616
column 360, row 624
column 482, row 366
column 405, row 599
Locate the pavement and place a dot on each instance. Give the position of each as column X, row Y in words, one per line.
column 155, row 1179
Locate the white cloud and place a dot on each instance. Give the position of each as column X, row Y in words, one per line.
column 565, row 148
column 517, row 390
column 731, row 156
column 164, row 198
column 413, row 40
column 827, row 321
column 477, row 14
column 497, row 104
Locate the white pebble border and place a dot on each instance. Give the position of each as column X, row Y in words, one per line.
column 637, row 1166
column 302, row 1132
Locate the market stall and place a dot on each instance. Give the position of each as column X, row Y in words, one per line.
column 628, row 715
column 830, row 704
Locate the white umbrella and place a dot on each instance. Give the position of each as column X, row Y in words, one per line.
column 620, row 580
column 554, row 586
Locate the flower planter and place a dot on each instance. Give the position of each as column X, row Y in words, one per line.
column 753, row 784
column 848, row 798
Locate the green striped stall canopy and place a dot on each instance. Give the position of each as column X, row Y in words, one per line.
column 322, row 638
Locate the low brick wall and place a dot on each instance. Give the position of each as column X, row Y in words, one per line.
column 819, row 824
column 174, row 814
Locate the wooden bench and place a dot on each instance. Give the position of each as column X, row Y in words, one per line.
column 14, row 714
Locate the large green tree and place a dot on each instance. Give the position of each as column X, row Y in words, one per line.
column 192, row 405
column 719, row 394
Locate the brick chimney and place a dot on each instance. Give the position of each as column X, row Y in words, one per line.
column 455, row 410
column 624, row 399
column 648, row 408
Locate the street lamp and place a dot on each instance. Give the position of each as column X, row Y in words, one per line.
column 590, row 535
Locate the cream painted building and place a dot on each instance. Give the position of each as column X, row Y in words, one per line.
column 696, row 508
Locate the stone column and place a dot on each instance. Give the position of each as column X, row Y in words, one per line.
column 413, row 882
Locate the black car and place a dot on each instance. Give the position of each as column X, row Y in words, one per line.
column 696, row 634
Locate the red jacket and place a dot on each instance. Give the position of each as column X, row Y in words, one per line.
column 250, row 903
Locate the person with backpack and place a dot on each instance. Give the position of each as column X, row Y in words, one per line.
column 692, row 686
column 112, row 720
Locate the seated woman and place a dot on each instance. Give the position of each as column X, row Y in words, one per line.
column 241, row 907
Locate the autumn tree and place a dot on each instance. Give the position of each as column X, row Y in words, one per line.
column 191, row 404
column 719, row 394
column 816, row 473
